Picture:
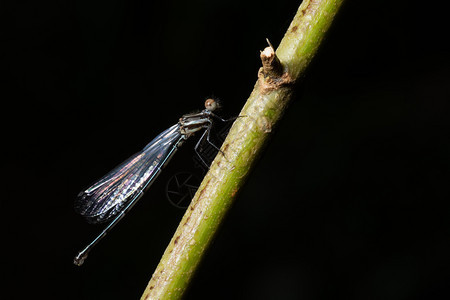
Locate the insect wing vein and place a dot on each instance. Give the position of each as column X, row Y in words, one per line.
column 107, row 196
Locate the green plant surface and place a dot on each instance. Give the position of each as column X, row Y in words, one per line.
column 245, row 141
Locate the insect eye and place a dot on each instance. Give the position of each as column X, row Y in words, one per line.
column 210, row 104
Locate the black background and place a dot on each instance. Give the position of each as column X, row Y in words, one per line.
column 349, row 200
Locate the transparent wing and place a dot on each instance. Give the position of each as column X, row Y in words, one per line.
column 105, row 198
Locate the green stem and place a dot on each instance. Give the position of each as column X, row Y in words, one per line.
column 248, row 135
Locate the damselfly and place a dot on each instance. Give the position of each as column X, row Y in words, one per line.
column 113, row 195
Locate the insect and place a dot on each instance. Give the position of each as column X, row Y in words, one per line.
column 112, row 196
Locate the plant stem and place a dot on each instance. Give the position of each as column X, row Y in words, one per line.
column 248, row 135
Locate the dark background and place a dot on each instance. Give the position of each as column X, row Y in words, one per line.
column 349, row 200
